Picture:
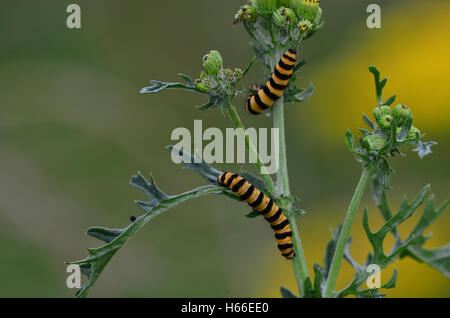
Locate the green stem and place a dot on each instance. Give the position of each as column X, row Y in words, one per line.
column 299, row 262
column 345, row 232
column 252, row 150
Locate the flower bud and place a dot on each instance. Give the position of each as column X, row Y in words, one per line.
column 204, row 83
column 401, row 114
column 229, row 74
column 380, row 111
column 238, row 73
column 201, row 86
column 284, row 17
column 385, row 121
column 245, row 13
column 212, row 62
column 307, row 9
column 374, row 142
column 305, row 26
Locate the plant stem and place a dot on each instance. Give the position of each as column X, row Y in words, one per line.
column 345, row 232
column 299, row 262
column 252, row 150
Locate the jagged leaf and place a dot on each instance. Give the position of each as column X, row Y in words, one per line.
column 379, row 85
column 157, row 86
column 438, row 258
column 158, row 203
column 106, row 235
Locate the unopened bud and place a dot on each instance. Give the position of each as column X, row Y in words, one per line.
column 305, row 26
column 385, row 121
column 212, row 62
column 401, row 114
column 245, row 13
column 284, row 17
column 204, row 83
column 237, row 73
column 381, row 111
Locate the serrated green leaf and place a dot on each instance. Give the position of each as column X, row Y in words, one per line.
column 159, row 202
column 379, row 85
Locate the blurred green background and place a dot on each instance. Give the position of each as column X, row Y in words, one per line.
column 73, row 130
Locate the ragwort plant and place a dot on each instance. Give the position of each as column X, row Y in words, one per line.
column 274, row 27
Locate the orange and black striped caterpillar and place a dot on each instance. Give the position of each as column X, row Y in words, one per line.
column 263, row 205
column 275, row 87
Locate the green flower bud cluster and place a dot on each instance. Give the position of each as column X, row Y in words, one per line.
column 306, row 15
column 214, row 76
column 212, row 64
column 384, row 116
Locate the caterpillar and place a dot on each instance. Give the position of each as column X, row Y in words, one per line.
column 263, row 205
column 275, row 87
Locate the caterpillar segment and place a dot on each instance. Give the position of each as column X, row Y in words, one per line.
column 263, row 205
column 275, row 86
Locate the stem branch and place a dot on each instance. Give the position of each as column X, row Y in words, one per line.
column 345, row 232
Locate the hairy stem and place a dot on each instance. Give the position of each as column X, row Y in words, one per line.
column 252, row 150
column 345, row 232
column 299, row 262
